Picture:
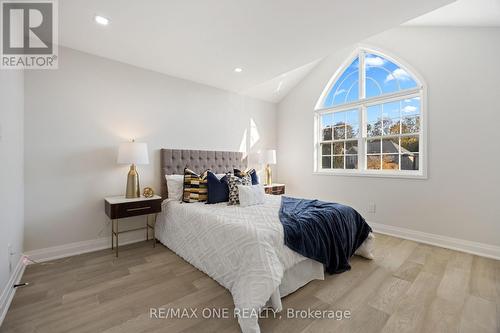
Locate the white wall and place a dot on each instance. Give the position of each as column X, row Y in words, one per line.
column 11, row 171
column 460, row 198
column 77, row 116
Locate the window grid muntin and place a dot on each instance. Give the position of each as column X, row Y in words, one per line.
column 340, row 83
column 387, row 135
column 363, row 136
column 362, row 104
column 399, row 153
column 345, row 123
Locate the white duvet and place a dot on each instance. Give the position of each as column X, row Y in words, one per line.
column 242, row 248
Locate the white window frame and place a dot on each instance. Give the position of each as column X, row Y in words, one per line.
column 362, row 104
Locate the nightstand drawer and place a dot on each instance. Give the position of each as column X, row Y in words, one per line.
column 129, row 209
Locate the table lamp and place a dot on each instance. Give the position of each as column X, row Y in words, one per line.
column 269, row 157
column 133, row 153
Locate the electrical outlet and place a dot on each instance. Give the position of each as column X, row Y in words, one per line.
column 372, row 208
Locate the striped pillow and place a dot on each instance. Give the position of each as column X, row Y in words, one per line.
column 195, row 186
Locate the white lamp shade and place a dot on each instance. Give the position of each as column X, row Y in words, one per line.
column 269, row 156
column 133, row 153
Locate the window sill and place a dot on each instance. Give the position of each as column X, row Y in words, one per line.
column 376, row 174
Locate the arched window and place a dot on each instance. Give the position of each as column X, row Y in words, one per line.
column 369, row 119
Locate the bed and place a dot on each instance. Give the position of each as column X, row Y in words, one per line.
column 241, row 248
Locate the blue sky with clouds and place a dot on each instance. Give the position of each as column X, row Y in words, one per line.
column 382, row 77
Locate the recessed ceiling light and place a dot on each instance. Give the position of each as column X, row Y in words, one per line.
column 238, row 70
column 101, row 20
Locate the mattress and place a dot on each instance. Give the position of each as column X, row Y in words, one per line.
column 242, row 248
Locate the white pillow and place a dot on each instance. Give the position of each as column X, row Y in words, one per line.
column 366, row 249
column 175, row 184
column 251, row 195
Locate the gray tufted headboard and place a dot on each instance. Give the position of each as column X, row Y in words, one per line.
column 173, row 161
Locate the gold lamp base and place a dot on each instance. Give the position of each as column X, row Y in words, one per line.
column 269, row 178
column 133, row 188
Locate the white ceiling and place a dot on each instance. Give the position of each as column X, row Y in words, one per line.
column 479, row 13
column 205, row 40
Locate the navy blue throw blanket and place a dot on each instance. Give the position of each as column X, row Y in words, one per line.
column 324, row 231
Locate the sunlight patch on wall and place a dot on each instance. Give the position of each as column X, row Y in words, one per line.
column 254, row 133
column 243, row 144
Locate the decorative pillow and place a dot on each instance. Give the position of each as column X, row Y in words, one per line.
column 366, row 249
column 175, row 186
column 250, row 172
column 195, row 186
column 218, row 189
column 233, row 183
column 251, row 195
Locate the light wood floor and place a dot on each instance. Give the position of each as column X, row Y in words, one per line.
column 409, row 287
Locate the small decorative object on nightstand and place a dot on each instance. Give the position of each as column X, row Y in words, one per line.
column 148, row 192
column 276, row 189
column 120, row 207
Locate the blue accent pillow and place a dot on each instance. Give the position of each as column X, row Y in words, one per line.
column 251, row 172
column 218, row 189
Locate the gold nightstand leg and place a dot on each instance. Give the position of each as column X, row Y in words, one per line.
column 116, row 235
column 112, row 239
column 154, row 228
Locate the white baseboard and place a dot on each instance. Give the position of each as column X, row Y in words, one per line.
column 480, row 249
column 9, row 291
column 72, row 249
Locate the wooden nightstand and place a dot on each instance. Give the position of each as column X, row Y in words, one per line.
column 120, row 207
column 276, row 189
